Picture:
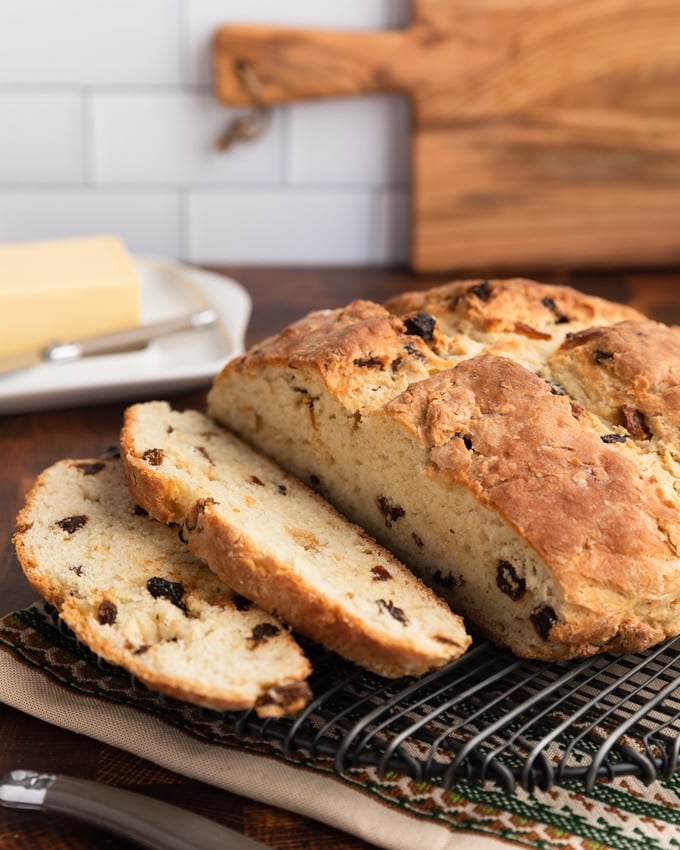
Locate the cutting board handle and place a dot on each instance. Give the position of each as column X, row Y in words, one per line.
column 296, row 64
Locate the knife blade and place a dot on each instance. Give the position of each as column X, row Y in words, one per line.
column 150, row 823
column 67, row 352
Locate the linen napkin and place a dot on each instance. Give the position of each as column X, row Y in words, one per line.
column 47, row 674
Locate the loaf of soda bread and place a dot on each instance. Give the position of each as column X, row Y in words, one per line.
column 516, row 444
column 277, row 542
column 130, row 590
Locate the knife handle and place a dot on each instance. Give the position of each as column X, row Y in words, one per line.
column 150, row 823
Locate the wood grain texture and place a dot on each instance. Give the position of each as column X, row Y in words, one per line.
column 543, row 130
column 30, row 442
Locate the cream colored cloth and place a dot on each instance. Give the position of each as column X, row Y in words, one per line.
column 392, row 812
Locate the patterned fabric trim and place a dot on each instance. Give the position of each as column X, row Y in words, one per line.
column 621, row 815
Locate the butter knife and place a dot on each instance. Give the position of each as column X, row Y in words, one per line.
column 66, row 352
column 148, row 822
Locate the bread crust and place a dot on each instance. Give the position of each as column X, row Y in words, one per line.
column 629, row 373
column 510, row 306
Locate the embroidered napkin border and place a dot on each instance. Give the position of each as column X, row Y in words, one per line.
column 622, row 815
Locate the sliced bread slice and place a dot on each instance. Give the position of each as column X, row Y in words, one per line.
column 280, row 544
column 131, row 591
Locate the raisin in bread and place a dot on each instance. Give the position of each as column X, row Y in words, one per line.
column 516, row 444
column 280, row 544
column 131, row 591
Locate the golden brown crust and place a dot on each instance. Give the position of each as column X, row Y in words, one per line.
column 525, row 443
column 630, row 373
column 361, row 351
column 512, row 306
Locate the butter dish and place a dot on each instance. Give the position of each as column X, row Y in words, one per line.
column 170, row 363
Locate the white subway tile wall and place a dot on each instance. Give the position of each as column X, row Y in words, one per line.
column 148, row 221
column 31, row 157
column 108, row 123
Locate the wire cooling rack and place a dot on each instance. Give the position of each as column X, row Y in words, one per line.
column 488, row 717
column 492, row 717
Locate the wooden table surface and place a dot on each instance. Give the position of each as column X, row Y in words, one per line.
column 30, row 442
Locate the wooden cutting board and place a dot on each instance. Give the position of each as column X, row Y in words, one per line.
column 544, row 132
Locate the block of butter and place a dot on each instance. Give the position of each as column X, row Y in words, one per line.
column 65, row 289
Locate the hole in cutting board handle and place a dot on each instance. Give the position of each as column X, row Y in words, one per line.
column 256, row 122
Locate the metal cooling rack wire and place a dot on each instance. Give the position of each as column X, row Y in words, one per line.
column 569, row 725
column 399, row 707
